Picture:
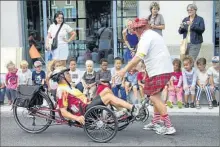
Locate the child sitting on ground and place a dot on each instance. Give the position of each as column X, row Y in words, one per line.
column 213, row 72
column 175, row 89
column 189, row 80
column 11, row 81
column 103, row 77
column 118, row 82
column 202, row 82
column 131, row 83
column 24, row 74
column 75, row 75
column 88, row 80
column 38, row 75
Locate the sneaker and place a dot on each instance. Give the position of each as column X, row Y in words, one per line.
column 166, row 131
column 180, row 104
column 187, row 105
column 151, row 126
column 135, row 110
column 169, row 104
column 192, row 105
column 214, row 103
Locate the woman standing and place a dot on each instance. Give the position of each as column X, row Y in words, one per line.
column 192, row 28
column 131, row 41
column 155, row 19
column 62, row 50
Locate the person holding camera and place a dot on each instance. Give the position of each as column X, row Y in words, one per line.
column 192, row 28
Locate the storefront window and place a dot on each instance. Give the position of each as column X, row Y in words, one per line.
column 125, row 10
column 217, row 17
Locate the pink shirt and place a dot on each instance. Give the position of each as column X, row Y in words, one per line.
column 11, row 80
column 177, row 79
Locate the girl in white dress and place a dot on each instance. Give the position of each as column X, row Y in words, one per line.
column 62, row 50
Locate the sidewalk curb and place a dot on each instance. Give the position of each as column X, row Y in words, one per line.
column 215, row 112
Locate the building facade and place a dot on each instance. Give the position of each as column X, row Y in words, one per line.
column 22, row 19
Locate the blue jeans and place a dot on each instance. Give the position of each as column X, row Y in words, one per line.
column 127, row 55
column 11, row 94
column 122, row 91
column 2, row 94
column 79, row 86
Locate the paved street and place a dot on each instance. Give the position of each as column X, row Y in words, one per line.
column 191, row 131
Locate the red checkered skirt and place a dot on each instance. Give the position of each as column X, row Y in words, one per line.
column 156, row 83
column 101, row 87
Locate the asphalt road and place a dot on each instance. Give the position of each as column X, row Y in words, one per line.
column 191, row 131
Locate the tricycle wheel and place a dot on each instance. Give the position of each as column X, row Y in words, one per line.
column 101, row 124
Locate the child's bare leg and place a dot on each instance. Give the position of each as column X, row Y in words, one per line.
column 135, row 92
column 141, row 91
column 127, row 87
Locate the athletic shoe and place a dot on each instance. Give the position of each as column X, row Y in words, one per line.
column 192, row 105
column 198, row 106
column 135, row 110
column 169, row 104
column 151, row 126
column 179, row 104
column 187, row 105
column 214, row 103
column 165, row 131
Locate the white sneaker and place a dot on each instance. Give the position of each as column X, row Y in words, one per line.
column 152, row 126
column 166, row 131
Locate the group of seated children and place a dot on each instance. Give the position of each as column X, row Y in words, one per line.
column 22, row 76
column 190, row 81
column 193, row 81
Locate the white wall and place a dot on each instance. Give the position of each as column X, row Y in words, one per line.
column 174, row 12
column 11, row 36
column 10, row 26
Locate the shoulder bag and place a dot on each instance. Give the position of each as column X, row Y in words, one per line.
column 55, row 40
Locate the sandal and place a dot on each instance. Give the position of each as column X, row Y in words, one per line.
column 169, row 104
column 210, row 106
column 198, row 106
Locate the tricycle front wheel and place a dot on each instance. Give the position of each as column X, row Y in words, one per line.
column 101, row 124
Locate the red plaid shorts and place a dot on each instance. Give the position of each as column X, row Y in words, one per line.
column 156, row 83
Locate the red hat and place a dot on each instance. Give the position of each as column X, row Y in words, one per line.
column 139, row 22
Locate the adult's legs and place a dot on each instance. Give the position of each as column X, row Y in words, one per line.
column 194, row 50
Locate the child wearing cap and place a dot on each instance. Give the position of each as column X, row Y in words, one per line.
column 213, row 72
column 38, row 75
column 24, row 74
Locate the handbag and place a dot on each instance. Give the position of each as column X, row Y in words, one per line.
column 55, row 40
column 183, row 45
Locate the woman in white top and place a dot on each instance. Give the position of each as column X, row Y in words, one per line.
column 62, row 50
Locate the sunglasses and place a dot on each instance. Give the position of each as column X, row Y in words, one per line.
column 190, row 10
column 38, row 66
column 215, row 62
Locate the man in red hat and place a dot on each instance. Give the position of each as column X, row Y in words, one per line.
column 153, row 50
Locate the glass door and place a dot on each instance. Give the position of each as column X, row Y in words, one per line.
column 126, row 9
